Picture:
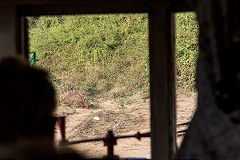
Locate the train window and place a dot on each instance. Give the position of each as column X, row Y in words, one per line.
column 99, row 65
column 186, row 36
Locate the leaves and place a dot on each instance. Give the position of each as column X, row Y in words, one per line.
column 186, row 49
column 108, row 50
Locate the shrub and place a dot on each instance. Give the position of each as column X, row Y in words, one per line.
column 107, row 53
column 186, row 49
column 94, row 52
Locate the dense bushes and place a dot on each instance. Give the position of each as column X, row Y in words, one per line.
column 95, row 53
column 186, row 49
column 107, row 53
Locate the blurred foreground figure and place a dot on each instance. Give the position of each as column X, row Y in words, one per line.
column 27, row 101
column 214, row 133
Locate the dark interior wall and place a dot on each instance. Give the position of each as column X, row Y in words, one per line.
column 8, row 32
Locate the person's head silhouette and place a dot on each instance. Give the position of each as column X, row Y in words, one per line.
column 27, row 101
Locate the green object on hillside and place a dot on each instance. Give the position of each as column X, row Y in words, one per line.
column 33, row 58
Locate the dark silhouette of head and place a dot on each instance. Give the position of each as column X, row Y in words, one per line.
column 27, row 101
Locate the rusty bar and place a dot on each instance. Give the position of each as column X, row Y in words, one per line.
column 61, row 125
column 85, row 140
column 110, row 141
column 183, row 124
column 110, row 150
column 182, row 131
column 138, row 135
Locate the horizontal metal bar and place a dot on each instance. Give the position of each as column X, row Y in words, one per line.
column 182, row 131
column 84, row 141
column 183, row 124
column 104, row 138
column 34, row 10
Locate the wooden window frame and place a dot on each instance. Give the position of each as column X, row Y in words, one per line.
column 161, row 50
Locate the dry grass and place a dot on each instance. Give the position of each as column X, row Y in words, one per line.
column 74, row 98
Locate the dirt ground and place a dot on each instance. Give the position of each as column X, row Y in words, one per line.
column 123, row 120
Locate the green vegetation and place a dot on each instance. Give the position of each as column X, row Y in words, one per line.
column 106, row 54
column 186, row 49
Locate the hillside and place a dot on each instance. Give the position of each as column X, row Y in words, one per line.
column 108, row 54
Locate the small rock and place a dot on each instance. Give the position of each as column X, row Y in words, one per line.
column 115, row 125
column 96, row 118
column 65, row 104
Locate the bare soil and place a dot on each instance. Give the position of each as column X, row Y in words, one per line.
column 186, row 106
column 123, row 119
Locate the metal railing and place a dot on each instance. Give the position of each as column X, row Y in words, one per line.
column 109, row 140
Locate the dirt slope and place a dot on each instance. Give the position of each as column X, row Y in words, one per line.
column 123, row 120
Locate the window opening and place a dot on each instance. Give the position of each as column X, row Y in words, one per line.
column 186, row 36
column 99, row 65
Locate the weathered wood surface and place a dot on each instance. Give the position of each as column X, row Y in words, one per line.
column 8, row 31
column 162, row 84
column 94, row 5
column 55, row 2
